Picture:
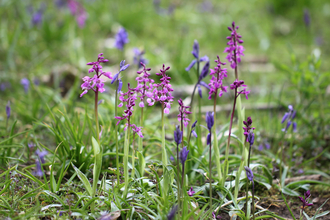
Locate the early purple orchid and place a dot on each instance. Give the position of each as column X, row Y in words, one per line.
column 162, row 91
column 248, row 128
column 78, row 10
column 96, row 83
column 183, row 113
column 239, row 83
column 234, row 50
column 144, row 85
column 218, row 74
column 191, row 192
column 130, row 103
column 304, row 199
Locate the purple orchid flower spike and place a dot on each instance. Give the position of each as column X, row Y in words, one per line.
column 304, row 199
column 237, row 84
column 234, row 50
column 129, row 98
column 96, row 83
column 121, row 39
column 218, row 74
column 162, row 92
column 183, row 113
column 145, row 85
column 191, row 192
column 78, row 10
column 248, row 129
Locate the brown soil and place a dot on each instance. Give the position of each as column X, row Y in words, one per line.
column 277, row 205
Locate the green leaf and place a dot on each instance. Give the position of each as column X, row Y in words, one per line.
column 142, row 163
column 47, row 192
column 289, row 192
column 316, row 215
column 96, row 146
column 83, row 179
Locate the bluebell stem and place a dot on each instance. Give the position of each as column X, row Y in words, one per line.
column 210, row 123
column 119, row 85
column 183, row 157
column 249, row 136
column 200, row 76
column 172, row 213
column 249, row 175
column 288, row 118
column 178, row 138
column 8, row 109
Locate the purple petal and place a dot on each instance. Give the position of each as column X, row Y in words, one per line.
column 191, row 65
column 124, row 67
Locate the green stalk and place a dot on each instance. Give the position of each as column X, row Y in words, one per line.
column 216, row 147
column 210, row 170
column 133, row 156
column 164, row 155
column 116, row 134
column 247, row 185
column 96, row 116
column 226, row 165
column 291, row 146
column 141, row 139
column 253, row 199
column 178, row 176
column 126, row 152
